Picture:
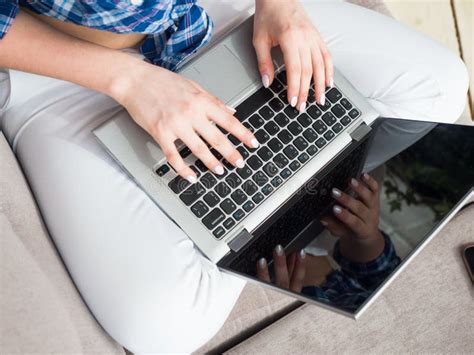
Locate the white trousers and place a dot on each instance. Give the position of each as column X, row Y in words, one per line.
column 137, row 271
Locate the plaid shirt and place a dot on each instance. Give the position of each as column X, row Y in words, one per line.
column 175, row 28
column 351, row 286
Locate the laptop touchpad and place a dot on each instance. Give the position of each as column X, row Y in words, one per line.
column 221, row 73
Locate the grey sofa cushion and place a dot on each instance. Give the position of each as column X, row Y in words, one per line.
column 40, row 309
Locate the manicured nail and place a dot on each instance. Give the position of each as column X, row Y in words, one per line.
column 265, row 81
column 331, row 82
column 262, row 263
column 240, row 163
column 219, row 170
column 192, row 179
column 279, row 250
column 337, row 209
column 366, row 177
column 302, row 254
column 354, row 182
column 293, row 101
column 336, row 193
column 323, row 99
column 324, row 223
column 254, row 143
column 303, row 107
column 231, row 109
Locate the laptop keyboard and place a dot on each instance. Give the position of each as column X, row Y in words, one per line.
column 288, row 140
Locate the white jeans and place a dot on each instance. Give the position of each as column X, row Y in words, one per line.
column 137, row 271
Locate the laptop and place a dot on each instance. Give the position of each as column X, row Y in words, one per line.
column 284, row 188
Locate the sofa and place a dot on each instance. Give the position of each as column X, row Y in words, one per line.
column 428, row 308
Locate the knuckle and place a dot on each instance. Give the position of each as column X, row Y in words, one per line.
column 199, row 148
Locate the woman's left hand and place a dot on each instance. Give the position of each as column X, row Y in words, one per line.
column 285, row 23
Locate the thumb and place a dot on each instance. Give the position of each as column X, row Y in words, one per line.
column 265, row 64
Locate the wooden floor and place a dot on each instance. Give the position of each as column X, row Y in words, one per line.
column 449, row 22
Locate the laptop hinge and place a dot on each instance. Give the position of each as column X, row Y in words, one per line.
column 360, row 132
column 240, row 240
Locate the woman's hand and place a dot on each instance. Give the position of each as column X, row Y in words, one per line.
column 285, row 23
column 170, row 107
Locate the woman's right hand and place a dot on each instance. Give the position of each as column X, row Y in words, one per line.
column 170, row 107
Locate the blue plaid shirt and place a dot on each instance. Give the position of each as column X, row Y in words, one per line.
column 351, row 286
column 175, row 28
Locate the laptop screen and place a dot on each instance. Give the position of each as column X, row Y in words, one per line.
column 355, row 243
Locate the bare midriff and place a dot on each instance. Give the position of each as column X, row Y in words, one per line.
column 102, row 38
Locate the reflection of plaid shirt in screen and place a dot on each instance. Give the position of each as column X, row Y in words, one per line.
column 351, row 286
column 175, row 28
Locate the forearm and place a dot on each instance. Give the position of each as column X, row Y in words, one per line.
column 361, row 250
column 35, row 47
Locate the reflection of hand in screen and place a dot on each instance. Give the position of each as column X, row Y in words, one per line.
column 289, row 270
column 356, row 220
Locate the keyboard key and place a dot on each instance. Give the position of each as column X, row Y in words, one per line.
column 291, row 152
column 266, row 112
column 208, row 180
column 162, row 170
column 354, row 113
column 283, row 96
column 216, row 154
column 329, row 135
column 276, row 104
column 228, row 223
column 254, row 162
column 228, row 165
column 329, row 118
column 238, row 215
column 260, row 178
column 267, row 189
column 253, row 103
column 337, row 128
column 222, row 189
column 228, row 206
column 345, row 120
column 249, row 187
column 276, row 86
column 238, row 196
column 291, row 112
column 321, row 142
column 271, row 128
column 262, row 136
column 275, row 145
column 213, row 218
column 235, row 141
column 338, row 111
column 320, row 127
column 282, row 77
column 264, row 153
column 312, row 150
column 244, row 152
column 295, row 165
column 248, row 126
column 277, row 181
column 304, row 120
column 219, row 232
column 280, row 160
column 211, row 199
column 285, row 136
column 300, row 143
column 256, row 121
column 325, row 107
column 244, row 172
column 286, row 173
column 311, row 96
column 222, row 175
column 270, row 169
column 196, row 171
column 314, row 112
column 347, row 105
column 178, row 184
column 295, row 128
column 248, row 206
column 310, row 135
column 281, row 120
column 333, row 95
column 258, row 198
column 185, row 152
column 199, row 209
column 233, row 180
column 303, row 158
column 200, row 165
column 190, row 195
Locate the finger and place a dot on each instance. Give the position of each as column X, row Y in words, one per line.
column 328, row 65
column 305, row 80
column 220, row 142
column 290, row 262
column 370, row 181
column 293, row 70
column 279, row 265
column 201, row 151
column 319, row 76
column 175, row 160
column 355, row 206
column 262, row 270
column 299, row 273
column 334, row 226
column 263, row 48
column 365, row 194
column 353, row 222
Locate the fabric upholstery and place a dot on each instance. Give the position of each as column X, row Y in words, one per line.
column 428, row 308
column 40, row 309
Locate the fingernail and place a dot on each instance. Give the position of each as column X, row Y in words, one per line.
column 293, row 101
column 262, row 263
column 323, row 99
column 254, row 143
column 240, row 163
column 279, row 250
column 354, row 182
column 265, row 81
column 337, row 209
column 192, row 179
column 336, row 192
column 324, row 223
column 331, row 82
column 303, row 107
column 219, row 170
column 366, row 176
column 231, row 109
column 302, row 254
